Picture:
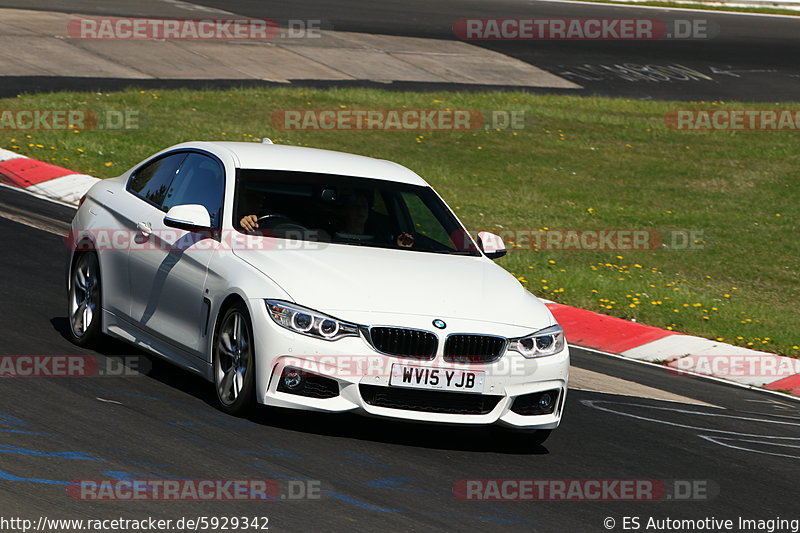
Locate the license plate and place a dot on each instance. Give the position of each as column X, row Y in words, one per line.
column 422, row 377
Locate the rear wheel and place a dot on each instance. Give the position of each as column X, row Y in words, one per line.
column 234, row 361
column 84, row 300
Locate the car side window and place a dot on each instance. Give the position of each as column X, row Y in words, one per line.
column 151, row 181
column 200, row 180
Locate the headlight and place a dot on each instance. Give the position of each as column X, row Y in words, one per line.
column 544, row 342
column 309, row 322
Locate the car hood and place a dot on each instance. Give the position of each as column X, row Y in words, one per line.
column 340, row 278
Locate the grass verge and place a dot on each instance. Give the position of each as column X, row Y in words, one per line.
column 578, row 164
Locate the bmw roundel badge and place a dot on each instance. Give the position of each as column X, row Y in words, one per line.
column 439, row 323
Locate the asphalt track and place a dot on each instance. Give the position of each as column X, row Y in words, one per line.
column 373, row 474
column 746, row 58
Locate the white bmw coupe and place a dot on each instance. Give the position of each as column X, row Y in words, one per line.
column 316, row 280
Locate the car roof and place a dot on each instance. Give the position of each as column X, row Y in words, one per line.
column 254, row 155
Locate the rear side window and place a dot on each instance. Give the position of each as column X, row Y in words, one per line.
column 151, row 181
column 200, row 180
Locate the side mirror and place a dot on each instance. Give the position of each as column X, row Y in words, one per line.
column 492, row 245
column 191, row 217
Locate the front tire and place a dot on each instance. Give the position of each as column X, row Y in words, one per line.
column 234, row 361
column 84, row 300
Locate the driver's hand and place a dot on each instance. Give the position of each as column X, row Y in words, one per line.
column 249, row 223
column 406, row 240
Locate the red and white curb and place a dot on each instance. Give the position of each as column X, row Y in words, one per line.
column 44, row 179
column 682, row 353
column 583, row 328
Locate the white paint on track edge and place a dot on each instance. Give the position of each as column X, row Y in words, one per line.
column 690, row 373
column 689, row 9
column 37, row 195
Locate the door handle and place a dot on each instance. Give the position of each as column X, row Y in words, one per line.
column 144, row 228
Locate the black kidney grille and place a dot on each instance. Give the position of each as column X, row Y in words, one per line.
column 473, row 348
column 403, row 342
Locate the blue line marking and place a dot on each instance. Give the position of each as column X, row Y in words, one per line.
column 362, row 459
column 5, row 418
column 23, row 432
column 11, row 477
column 482, row 518
column 186, row 423
column 136, row 395
column 80, row 456
column 271, row 451
column 11, row 420
column 359, row 503
column 122, row 475
column 395, row 483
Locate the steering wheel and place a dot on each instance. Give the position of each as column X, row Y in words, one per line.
column 282, row 222
column 274, row 216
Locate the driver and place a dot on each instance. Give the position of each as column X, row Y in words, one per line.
column 353, row 213
column 351, row 217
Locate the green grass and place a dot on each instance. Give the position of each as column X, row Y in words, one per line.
column 580, row 163
column 703, row 7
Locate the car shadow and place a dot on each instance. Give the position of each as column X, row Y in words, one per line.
column 338, row 425
column 405, row 433
column 139, row 361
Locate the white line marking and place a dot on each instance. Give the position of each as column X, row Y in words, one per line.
column 41, row 197
column 692, row 10
column 107, row 401
column 688, row 372
column 772, row 402
column 591, row 403
column 656, row 399
column 757, row 442
column 33, row 223
column 194, row 7
column 715, row 441
column 730, row 71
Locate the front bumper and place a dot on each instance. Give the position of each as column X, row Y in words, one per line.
column 361, row 377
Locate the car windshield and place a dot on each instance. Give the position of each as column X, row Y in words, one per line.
column 349, row 210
